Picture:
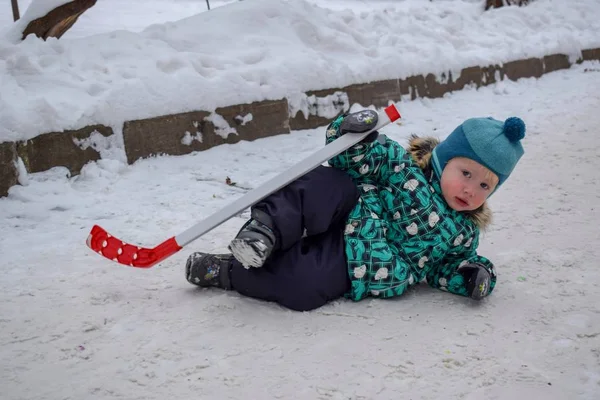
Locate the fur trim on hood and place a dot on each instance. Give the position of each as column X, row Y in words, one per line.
column 420, row 148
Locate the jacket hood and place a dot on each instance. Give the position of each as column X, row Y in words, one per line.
column 420, row 149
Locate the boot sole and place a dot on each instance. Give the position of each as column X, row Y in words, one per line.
column 188, row 268
column 249, row 254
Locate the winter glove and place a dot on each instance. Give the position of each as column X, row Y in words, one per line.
column 477, row 280
column 360, row 122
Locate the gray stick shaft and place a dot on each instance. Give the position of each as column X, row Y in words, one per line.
column 255, row 195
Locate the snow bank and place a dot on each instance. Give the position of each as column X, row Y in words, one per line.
column 266, row 49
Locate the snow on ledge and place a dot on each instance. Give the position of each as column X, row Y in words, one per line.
column 267, row 50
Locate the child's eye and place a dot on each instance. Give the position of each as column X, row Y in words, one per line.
column 466, row 173
column 485, row 186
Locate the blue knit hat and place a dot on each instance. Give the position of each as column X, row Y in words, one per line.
column 492, row 143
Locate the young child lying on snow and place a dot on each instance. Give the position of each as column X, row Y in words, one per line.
column 383, row 218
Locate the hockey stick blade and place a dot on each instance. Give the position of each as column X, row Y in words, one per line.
column 116, row 250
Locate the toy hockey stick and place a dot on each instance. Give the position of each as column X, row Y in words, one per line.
column 112, row 248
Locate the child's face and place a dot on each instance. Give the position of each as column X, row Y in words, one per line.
column 466, row 184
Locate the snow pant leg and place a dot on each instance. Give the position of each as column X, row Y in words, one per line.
column 315, row 202
column 306, row 276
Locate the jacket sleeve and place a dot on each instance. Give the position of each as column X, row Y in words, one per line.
column 445, row 275
column 373, row 160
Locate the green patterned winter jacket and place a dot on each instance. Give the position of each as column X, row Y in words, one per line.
column 401, row 231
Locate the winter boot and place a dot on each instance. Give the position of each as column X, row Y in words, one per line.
column 255, row 241
column 477, row 279
column 206, row 270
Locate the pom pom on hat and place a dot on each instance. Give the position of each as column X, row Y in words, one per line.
column 514, row 129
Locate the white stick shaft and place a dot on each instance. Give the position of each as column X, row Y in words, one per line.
column 255, row 195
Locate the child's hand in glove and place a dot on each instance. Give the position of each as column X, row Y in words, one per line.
column 477, row 279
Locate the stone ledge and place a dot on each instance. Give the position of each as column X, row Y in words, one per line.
column 378, row 94
column 8, row 168
column 184, row 133
column 200, row 130
column 61, row 149
column 71, row 149
column 300, row 121
column 590, row 54
column 555, row 62
column 432, row 86
column 528, row 68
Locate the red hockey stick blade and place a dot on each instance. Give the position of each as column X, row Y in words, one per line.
column 114, row 249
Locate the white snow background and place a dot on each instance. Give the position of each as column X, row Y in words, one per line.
column 76, row 326
column 258, row 49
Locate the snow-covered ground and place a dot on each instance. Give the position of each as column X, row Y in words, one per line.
column 253, row 50
column 76, row 326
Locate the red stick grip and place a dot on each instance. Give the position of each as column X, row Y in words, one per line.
column 392, row 112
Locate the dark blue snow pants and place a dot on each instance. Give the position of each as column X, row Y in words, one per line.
column 308, row 267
